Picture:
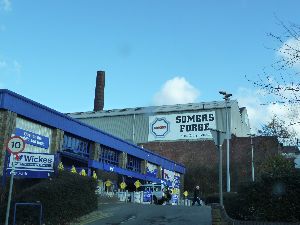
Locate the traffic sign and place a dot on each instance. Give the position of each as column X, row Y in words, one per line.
column 218, row 136
column 123, row 185
column 15, row 145
column 137, row 184
column 108, row 183
column 185, row 193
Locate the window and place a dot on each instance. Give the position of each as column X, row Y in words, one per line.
column 76, row 145
column 109, row 155
column 133, row 163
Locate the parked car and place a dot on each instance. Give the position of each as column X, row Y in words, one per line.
column 153, row 193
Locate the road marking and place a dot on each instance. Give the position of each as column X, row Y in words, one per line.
column 95, row 218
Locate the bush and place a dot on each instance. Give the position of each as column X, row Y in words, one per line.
column 64, row 198
column 273, row 197
column 214, row 198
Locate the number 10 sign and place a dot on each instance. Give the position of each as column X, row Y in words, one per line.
column 15, row 145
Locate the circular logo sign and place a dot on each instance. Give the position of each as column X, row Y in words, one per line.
column 160, row 127
column 15, row 145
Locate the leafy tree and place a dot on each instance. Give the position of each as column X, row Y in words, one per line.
column 277, row 167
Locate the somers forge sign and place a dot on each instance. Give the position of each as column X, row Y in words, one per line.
column 181, row 126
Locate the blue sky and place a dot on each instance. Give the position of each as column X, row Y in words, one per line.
column 50, row 50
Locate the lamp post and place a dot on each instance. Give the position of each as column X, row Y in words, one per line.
column 227, row 99
column 252, row 155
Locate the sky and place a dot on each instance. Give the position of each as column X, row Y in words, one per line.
column 153, row 52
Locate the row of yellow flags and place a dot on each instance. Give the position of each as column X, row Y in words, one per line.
column 108, row 182
column 73, row 170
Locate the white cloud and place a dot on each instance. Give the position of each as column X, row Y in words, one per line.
column 261, row 113
column 6, row 5
column 176, row 91
column 290, row 51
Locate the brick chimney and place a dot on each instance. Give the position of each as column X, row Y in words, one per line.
column 99, row 91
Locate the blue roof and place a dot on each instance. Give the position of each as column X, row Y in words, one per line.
column 28, row 108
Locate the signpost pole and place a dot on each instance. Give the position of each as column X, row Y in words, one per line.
column 219, row 137
column 10, row 190
column 14, row 146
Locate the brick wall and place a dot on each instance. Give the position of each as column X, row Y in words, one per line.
column 203, row 155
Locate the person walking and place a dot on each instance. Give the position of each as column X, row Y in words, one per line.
column 196, row 195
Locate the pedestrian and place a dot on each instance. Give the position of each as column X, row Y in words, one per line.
column 168, row 195
column 196, row 195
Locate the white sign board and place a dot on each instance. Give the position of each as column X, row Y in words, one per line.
column 33, row 162
column 181, row 126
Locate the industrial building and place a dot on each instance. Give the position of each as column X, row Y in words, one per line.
column 165, row 123
column 180, row 132
column 55, row 136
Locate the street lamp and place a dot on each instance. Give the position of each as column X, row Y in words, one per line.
column 227, row 99
column 252, row 155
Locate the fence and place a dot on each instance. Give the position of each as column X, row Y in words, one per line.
column 135, row 197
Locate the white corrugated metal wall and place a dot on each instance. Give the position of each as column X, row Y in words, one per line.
column 135, row 127
column 37, row 129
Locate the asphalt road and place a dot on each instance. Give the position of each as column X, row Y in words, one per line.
column 139, row 214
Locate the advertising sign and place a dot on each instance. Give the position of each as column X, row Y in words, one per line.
column 151, row 169
column 147, row 195
column 176, row 182
column 32, row 165
column 168, row 175
column 181, row 126
column 32, row 138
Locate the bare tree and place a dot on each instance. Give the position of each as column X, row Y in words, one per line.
column 280, row 81
column 278, row 128
column 282, row 78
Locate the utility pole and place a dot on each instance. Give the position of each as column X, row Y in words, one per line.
column 252, row 155
column 228, row 135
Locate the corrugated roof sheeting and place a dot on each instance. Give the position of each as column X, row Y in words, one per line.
column 151, row 109
column 122, row 122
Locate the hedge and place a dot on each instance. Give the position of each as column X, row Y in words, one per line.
column 64, row 198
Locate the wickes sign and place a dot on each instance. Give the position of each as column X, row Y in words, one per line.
column 181, row 126
column 33, row 162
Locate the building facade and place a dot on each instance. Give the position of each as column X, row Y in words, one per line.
column 51, row 136
column 181, row 122
column 181, row 132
